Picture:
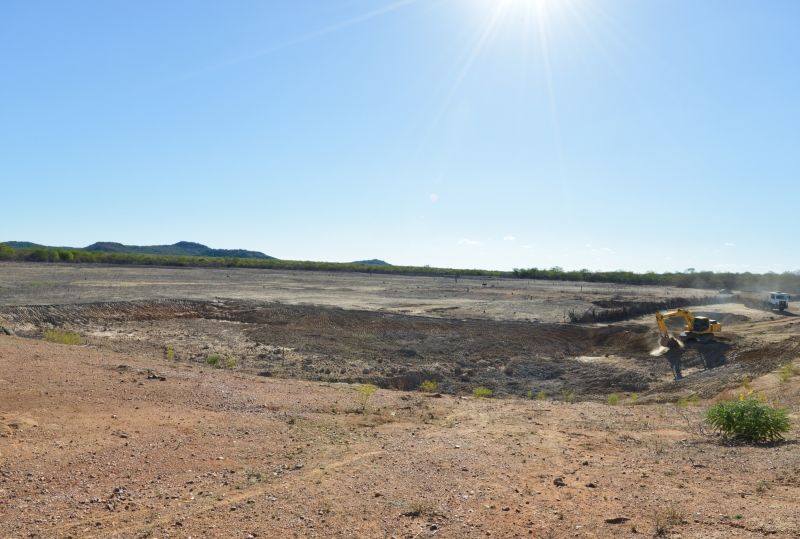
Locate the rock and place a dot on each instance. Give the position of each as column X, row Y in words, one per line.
column 617, row 520
column 591, row 484
column 559, row 482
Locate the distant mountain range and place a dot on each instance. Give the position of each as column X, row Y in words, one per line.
column 182, row 248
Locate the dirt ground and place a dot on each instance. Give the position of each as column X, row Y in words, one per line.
column 134, row 434
column 467, row 297
column 100, row 444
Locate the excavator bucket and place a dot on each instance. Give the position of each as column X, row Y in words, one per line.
column 670, row 342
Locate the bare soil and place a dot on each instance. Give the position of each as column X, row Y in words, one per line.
column 100, row 444
column 112, row 439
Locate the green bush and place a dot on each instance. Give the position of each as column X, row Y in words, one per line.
column 613, row 399
column 169, row 352
column 482, row 392
column 787, row 372
column 429, row 386
column 62, row 336
column 213, row 359
column 231, row 362
column 365, row 392
column 749, row 420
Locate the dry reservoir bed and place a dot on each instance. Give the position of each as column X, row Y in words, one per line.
column 396, row 351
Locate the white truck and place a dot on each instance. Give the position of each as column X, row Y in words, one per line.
column 778, row 300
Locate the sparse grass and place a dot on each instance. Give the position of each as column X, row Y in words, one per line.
column 62, row 336
column 530, row 394
column 482, row 392
column 169, row 352
column 365, row 392
column 613, row 399
column 419, row 508
column 567, row 395
column 541, row 395
column 749, row 420
column 231, row 362
column 788, row 371
column 429, row 386
column 633, row 398
column 666, row 519
column 690, row 400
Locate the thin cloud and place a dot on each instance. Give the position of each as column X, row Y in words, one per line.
column 509, row 238
column 466, row 241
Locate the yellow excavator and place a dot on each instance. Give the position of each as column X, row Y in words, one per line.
column 699, row 328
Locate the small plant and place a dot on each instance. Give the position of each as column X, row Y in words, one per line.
column 787, row 372
column 666, row 519
column 633, row 398
column 541, row 395
column 567, row 395
column 169, row 352
column 749, row 420
column 746, row 383
column 482, row 392
column 214, row 360
column 691, row 400
column 530, row 394
column 231, row 362
column 429, row 386
column 419, row 508
column 365, row 392
column 613, row 399
column 62, row 336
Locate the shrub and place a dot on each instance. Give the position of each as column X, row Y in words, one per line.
column 567, row 395
column 214, row 359
column 482, row 392
column 169, row 352
column 749, row 420
column 365, row 392
column 691, row 400
column 613, row 399
column 429, row 386
column 231, row 362
column 62, row 336
column 541, row 395
column 633, row 398
column 787, row 371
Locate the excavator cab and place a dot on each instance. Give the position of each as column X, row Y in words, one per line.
column 701, row 324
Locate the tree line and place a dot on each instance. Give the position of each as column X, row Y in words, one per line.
column 787, row 281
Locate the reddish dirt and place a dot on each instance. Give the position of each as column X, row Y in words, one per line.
column 96, row 444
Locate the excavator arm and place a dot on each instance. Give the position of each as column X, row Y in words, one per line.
column 694, row 326
column 661, row 318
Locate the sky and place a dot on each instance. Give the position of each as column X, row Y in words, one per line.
column 651, row 135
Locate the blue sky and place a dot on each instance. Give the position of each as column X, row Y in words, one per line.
column 645, row 135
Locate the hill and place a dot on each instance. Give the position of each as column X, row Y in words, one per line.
column 182, row 248
column 372, row 262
